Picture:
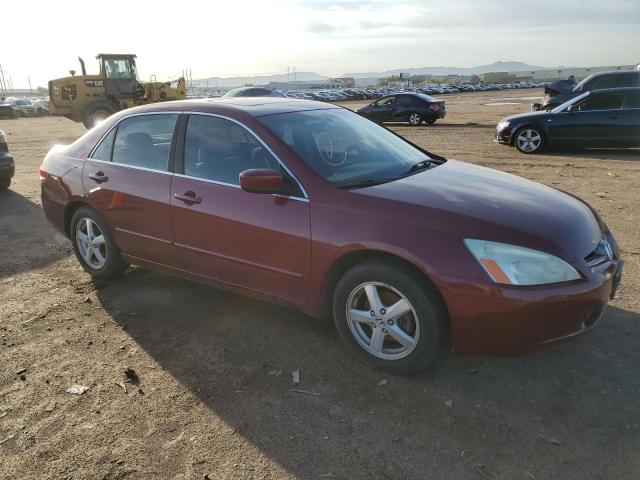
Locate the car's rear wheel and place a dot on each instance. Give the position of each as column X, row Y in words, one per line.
column 430, row 121
column 5, row 183
column 389, row 317
column 415, row 119
column 529, row 140
column 94, row 246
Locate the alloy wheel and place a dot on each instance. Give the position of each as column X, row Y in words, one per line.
column 415, row 119
column 91, row 243
column 529, row 140
column 382, row 321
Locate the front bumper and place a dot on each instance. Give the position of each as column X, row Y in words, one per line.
column 507, row 320
column 503, row 136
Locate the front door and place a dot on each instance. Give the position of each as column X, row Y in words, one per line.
column 127, row 181
column 256, row 241
column 383, row 109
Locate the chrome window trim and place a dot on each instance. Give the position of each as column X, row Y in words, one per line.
column 233, row 185
column 302, row 189
column 135, row 167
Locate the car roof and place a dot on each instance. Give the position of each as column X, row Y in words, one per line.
column 254, row 106
column 615, row 90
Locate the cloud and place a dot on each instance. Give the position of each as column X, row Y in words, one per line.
column 320, row 27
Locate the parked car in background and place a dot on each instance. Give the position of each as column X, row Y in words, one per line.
column 599, row 118
column 253, row 92
column 41, row 107
column 313, row 206
column 7, row 110
column 7, row 167
column 24, row 108
column 562, row 91
column 414, row 108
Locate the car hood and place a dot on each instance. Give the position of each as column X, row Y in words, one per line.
column 528, row 115
column 469, row 201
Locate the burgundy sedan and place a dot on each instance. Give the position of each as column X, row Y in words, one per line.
column 313, row 206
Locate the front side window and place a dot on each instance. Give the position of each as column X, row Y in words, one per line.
column 386, row 101
column 144, row 141
column 345, row 148
column 218, row 149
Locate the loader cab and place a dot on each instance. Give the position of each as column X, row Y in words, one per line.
column 120, row 75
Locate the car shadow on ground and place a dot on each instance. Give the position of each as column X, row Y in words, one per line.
column 27, row 240
column 596, row 153
column 571, row 411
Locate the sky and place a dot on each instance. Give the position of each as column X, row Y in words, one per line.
column 254, row 37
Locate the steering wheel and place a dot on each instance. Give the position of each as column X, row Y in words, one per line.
column 333, row 152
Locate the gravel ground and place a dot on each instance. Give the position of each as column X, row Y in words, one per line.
column 211, row 389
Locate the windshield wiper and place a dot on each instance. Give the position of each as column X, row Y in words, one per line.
column 370, row 182
column 421, row 165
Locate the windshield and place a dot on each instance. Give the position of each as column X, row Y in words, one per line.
column 343, row 147
column 22, row 102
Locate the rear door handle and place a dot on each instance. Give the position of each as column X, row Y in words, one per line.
column 614, row 118
column 188, row 197
column 99, row 177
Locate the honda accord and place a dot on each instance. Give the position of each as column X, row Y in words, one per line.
column 312, row 206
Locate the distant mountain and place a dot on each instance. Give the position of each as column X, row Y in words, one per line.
column 257, row 79
column 213, row 82
column 441, row 71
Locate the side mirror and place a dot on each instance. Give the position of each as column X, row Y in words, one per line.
column 261, row 180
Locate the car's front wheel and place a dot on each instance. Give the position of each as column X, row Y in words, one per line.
column 529, row 140
column 389, row 317
column 94, row 246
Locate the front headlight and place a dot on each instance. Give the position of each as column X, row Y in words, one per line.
column 509, row 264
column 502, row 125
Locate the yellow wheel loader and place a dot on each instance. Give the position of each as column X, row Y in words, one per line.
column 92, row 98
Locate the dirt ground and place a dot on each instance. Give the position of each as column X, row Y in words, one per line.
column 212, row 391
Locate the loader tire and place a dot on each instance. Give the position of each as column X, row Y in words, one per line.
column 97, row 112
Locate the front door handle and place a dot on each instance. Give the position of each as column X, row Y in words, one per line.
column 188, row 197
column 99, row 177
column 614, row 118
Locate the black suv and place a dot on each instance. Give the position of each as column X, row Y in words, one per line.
column 559, row 92
column 405, row 107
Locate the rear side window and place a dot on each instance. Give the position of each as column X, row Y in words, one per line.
column 407, row 100
column 600, row 82
column 145, row 141
column 105, row 148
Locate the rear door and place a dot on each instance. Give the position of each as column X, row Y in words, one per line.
column 128, row 182
column 256, row 241
column 630, row 119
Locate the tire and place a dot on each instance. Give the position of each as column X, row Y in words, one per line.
column 97, row 112
column 422, row 327
column 5, row 183
column 529, row 140
column 415, row 119
column 112, row 264
column 431, row 121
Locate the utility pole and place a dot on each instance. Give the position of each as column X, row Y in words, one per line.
column 29, row 80
column 3, row 84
